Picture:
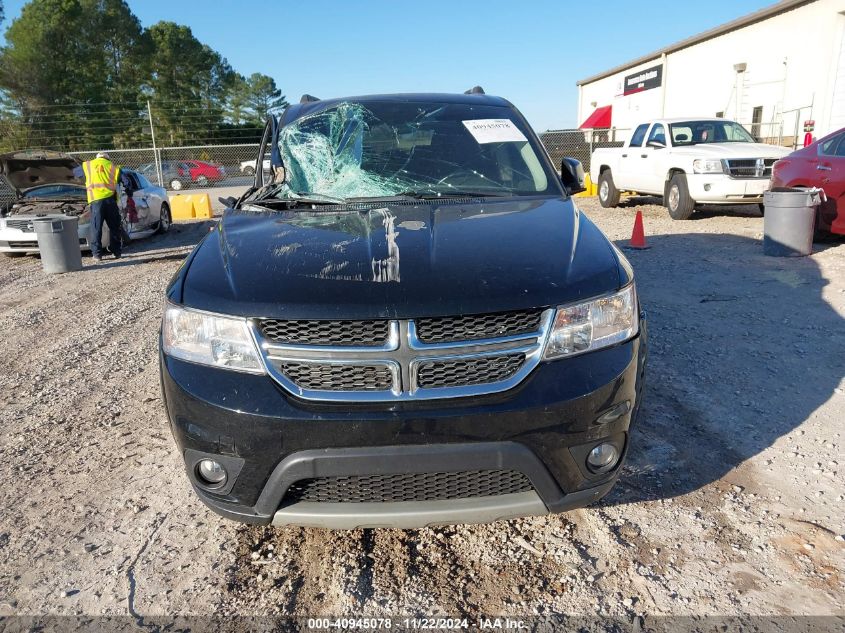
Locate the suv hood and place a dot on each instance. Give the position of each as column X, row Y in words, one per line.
column 732, row 150
column 23, row 170
column 400, row 261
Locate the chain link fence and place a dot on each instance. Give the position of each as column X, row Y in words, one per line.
column 580, row 144
column 178, row 168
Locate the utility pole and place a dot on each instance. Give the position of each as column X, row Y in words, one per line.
column 156, row 160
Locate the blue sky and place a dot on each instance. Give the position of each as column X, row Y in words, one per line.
column 531, row 52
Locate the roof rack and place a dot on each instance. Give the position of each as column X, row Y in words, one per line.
column 306, row 98
column 475, row 90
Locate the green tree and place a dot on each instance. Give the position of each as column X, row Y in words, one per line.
column 70, row 70
column 237, row 100
column 263, row 97
column 189, row 82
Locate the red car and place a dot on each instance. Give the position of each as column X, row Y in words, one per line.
column 820, row 164
column 203, row 173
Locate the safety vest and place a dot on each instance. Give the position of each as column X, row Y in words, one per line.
column 101, row 177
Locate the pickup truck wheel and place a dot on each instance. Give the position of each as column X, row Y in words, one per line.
column 678, row 201
column 608, row 193
column 249, row 171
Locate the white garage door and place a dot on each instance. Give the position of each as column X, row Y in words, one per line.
column 837, row 118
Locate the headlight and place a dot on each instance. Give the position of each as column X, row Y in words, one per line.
column 589, row 326
column 209, row 339
column 707, row 166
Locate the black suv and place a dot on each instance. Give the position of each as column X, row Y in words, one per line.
column 412, row 324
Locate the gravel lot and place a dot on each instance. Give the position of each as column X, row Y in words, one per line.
column 731, row 501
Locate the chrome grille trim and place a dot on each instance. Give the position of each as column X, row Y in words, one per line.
column 404, row 353
column 747, row 168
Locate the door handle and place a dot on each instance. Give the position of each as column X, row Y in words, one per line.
column 643, row 155
column 822, row 168
column 624, row 155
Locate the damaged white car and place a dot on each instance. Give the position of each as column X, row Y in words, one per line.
column 40, row 183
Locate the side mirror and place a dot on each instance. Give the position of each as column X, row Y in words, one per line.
column 656, row 144
column 572, row 175
column 229, row 202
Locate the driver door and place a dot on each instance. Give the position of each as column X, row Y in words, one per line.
column 647, row 161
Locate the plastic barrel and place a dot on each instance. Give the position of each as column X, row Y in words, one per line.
column 58, row 243
column 789, row 221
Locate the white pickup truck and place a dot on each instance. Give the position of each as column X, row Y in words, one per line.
column 688, row 162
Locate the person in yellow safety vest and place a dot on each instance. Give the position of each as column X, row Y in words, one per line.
column 101, row 179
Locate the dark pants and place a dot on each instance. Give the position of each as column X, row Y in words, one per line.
column 105, row 211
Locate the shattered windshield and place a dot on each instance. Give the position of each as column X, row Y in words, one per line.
column 377, row 149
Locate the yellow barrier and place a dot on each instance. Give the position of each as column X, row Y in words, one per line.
column 190, row 206
column 589, row 188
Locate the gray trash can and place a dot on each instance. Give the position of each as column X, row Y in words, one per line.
column 790, row 220
column 58, row 243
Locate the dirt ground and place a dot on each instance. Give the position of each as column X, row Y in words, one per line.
column 731, row 501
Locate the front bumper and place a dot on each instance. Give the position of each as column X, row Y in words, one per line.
column 723, row 189
column 267, row 440
column 18, row 241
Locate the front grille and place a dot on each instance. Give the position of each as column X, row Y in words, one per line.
column 403, row 359
column 326, row 377
column 21, row 225
column 409, row 487
column 476, row 326
column 748, row 167
column 469, row 371
column 340, row 333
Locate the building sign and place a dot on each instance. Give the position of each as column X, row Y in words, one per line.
column 643, row 80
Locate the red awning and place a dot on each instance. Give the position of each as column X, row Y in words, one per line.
column 599, row 118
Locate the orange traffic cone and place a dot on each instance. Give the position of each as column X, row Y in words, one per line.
column 638, row 235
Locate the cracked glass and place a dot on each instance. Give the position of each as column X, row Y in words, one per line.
column 372, row 149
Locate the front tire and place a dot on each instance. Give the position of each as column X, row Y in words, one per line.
column 608, row 193
column 678, row 201
column 164, row 219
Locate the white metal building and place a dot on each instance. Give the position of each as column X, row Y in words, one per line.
column 771, row 70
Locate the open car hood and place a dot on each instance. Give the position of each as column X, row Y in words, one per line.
column 32, row 168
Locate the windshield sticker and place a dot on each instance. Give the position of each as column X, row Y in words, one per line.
column 494, row 131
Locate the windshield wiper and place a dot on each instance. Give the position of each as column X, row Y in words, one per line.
column 434, row 195
column 301, row 197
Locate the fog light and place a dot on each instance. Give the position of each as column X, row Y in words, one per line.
column 602, row 457
column 211, row 473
